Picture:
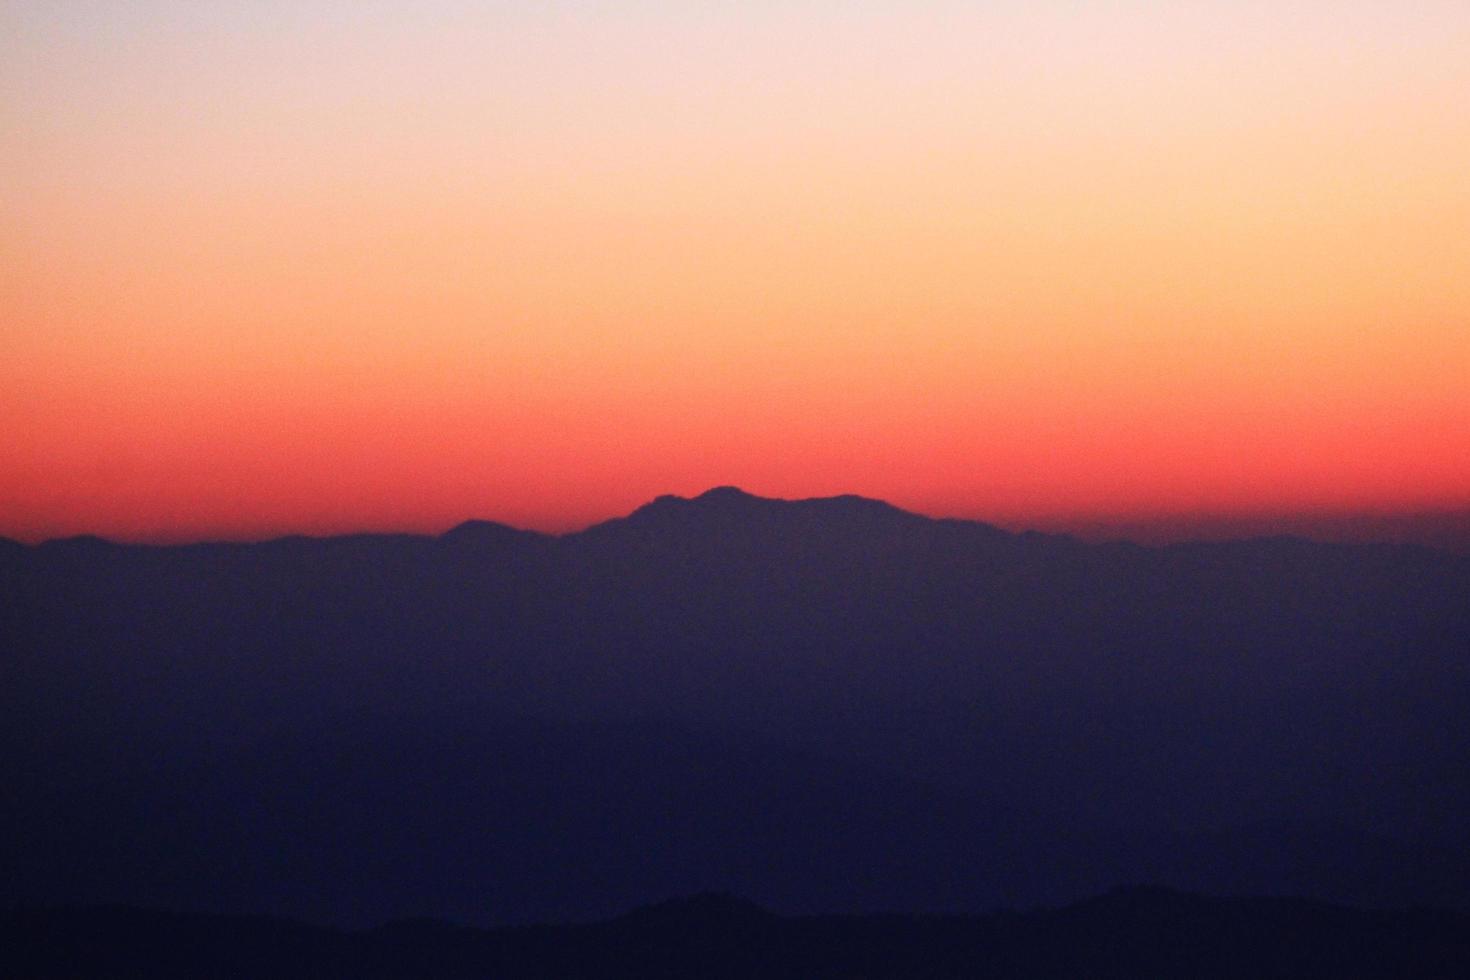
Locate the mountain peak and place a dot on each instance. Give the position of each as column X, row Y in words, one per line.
column 727, row 506
column 726, row 493
column 484, row 532
column 716, row 499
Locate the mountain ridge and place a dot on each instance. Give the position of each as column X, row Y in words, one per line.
column 1130, row 932
column 727, row 503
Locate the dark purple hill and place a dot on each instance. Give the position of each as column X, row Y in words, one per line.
column 826, row 705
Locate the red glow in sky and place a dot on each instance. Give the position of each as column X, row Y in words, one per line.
column 319, row 271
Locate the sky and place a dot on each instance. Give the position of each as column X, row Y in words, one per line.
column 272, row 267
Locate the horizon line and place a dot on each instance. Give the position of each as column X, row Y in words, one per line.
column 1444, row 526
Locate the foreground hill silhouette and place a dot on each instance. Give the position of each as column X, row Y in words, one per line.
column 1127, row 934
column 827, row 705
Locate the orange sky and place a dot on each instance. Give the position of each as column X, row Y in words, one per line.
column 316, row 267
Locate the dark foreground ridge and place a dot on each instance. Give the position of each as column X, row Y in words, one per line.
column 1129, row 934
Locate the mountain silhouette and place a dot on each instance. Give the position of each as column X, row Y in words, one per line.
column 732, row 517
column 489, row 534
column 828, row 705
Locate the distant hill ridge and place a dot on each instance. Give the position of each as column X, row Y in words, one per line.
column 718, row 504
column 726, row 505
column 1155, row 933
